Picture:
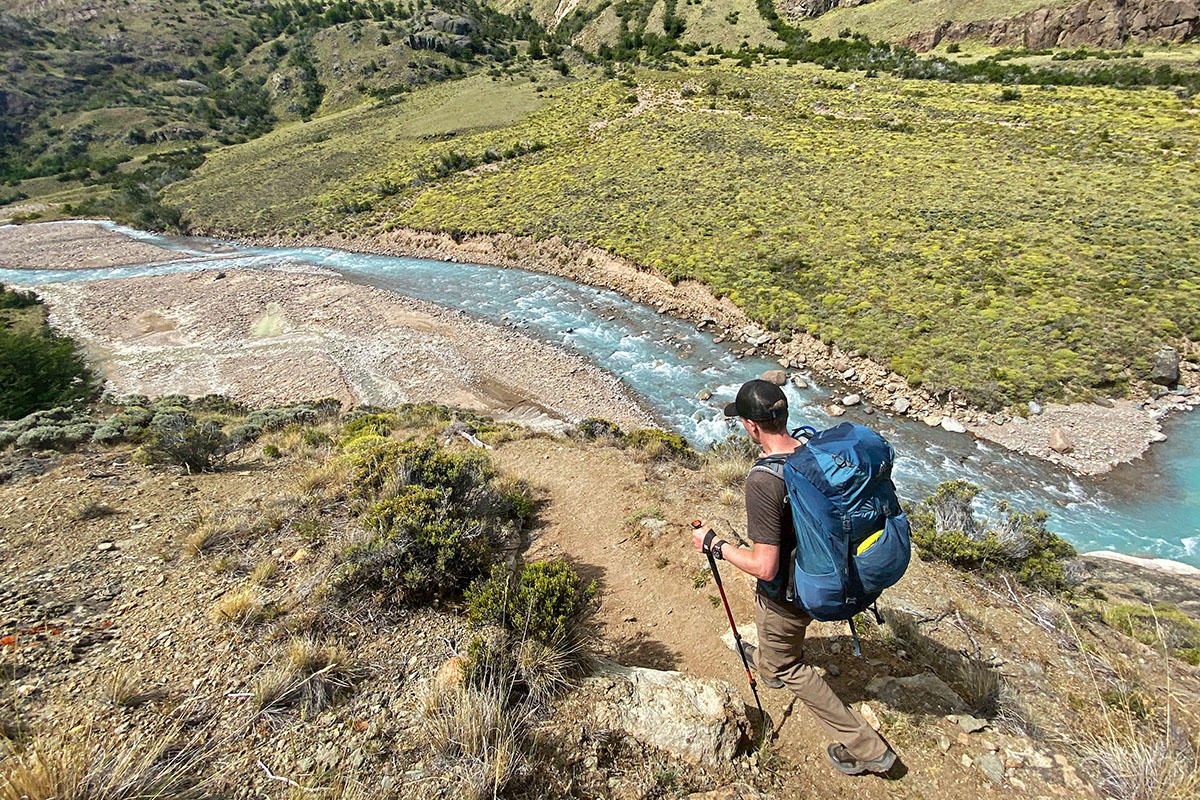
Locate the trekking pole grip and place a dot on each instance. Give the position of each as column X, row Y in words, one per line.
column 712, row 563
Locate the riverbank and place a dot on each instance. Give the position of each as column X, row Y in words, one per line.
column 282, row 336
column 73, row 245
column 1100, row 436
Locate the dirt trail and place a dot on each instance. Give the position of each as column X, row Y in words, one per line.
column 650, row 614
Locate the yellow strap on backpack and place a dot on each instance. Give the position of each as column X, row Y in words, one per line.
column 866, row 543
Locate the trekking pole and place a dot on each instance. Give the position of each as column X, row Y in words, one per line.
column 737, row 637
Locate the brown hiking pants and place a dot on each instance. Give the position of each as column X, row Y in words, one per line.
column 781, row 655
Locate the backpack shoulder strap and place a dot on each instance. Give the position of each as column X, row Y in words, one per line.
column 770, row 464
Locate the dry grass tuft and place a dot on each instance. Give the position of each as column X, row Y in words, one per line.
column 125, row 690
column 263, row 573
column 87, row 764
column 331, row 480
column 243, row 607
column 476, row 739
column 1129, row 764
column 309, row 676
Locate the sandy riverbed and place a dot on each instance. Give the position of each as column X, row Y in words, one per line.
column 273, row 337
column 73, row 245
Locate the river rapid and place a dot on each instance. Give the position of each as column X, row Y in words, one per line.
column 1150, row 507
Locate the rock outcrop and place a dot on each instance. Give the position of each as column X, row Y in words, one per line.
column 801, row 9
column 1101, row 23
column 700, row 719
column 1166, row 367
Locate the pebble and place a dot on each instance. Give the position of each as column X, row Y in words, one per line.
column 835, row 410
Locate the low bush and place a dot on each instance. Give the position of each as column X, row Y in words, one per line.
column 596, row 428
column 178, row 438
column 434, row 517
column 546, row 601
column 944, row 528
column 1162, row 625
column 661, row 445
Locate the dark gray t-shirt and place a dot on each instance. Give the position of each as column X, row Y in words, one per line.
column 769, row 521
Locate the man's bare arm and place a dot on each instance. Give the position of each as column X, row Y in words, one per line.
column 759, row 560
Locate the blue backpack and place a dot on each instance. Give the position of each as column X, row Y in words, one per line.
column 852, row 538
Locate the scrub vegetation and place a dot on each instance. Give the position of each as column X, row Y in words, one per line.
column 860, row 210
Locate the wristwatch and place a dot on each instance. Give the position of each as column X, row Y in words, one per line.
column 717, row 547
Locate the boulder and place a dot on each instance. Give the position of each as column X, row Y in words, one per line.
column 953, row 425
column 835, row 410
column 901, row 404
column 992, row 767
column 1060, row 442
column 1035, row 408
column 799, row 382
column 924, row 693
column 775, row 376
column 1166, row 367
column 702, row 720
column 933, row 420
column 851, row 400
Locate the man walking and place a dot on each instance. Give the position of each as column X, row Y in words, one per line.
column 762, row 408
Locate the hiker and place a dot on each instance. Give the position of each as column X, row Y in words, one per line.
column 779, row 657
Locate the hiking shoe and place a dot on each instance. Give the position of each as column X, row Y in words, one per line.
column 750, row 651
column 847, row 764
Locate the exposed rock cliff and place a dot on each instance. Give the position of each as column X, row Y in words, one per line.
column 1101, row 23
column 797, row 9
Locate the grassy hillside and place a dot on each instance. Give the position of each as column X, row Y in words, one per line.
column 892, row 20
column 1005, row 244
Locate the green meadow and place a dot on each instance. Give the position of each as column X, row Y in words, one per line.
column 1040, row 243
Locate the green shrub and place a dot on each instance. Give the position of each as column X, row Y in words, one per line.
column 15, row 298
column 944, row 528
column 178, row 438
column 271, row 451
column 127, row 425
column 368, row 425
column 660, row 444
column 546, row 601
column 596, row 428
column 435, row 519
column 1162, row 625
column 38, row 370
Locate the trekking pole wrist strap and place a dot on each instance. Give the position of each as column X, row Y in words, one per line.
column 708, row 540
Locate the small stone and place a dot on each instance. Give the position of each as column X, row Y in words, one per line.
column 835, row 648
column 799, row 382
column 706, row 395
column 901, row 404
column 992, row 768
column 835, row 410
column 106, row 546
column 834, row 670
column 943, row 743
column 966, row 760
column 775, row 376
column 964, row 739
column 849, row 374
column 851, row 399
column 933, row 420
column 971, row 724
column 298, row 556
column 1035, row 408
column 998, row 419
column 1060, row 442
column 1158, row 436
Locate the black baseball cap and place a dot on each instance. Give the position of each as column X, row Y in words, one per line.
column 758, row 400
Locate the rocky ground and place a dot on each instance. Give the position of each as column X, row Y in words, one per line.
column 1101, row 436
column 112, row 623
